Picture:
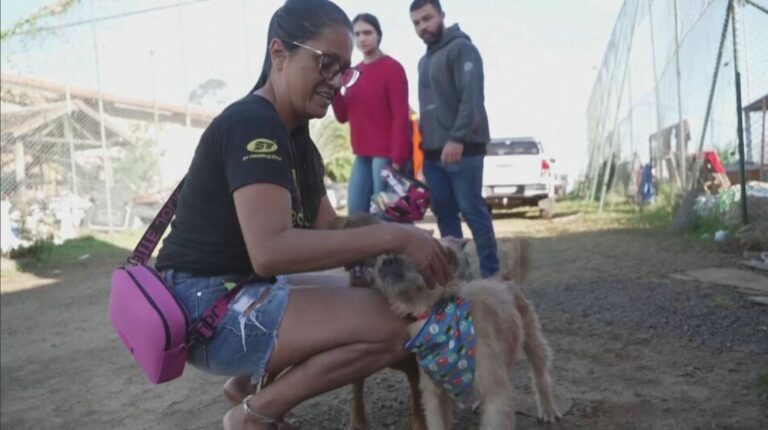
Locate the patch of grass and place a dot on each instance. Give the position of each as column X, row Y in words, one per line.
column 575, row 205
column 708, row 226
column 621, row 213
column 618, row 212
column 45, row 254
column 38, row 251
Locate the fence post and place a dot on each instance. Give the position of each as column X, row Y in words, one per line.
column 739, row 117
column 102, row 130
column 657, row 97
column 680, row 132
column 70, row 138
column 762, row 145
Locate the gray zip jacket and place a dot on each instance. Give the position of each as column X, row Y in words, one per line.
column 451, row 96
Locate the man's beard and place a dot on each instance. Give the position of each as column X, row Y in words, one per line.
column 432, row 38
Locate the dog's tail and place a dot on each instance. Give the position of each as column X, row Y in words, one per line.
column 518, row 260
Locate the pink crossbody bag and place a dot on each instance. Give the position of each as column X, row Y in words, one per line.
column 146, row 316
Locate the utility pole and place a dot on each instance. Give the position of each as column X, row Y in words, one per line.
column 739, row 116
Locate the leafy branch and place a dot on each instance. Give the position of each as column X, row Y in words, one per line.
column 30, row 23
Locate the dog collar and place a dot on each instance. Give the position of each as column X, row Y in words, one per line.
column 420, row 317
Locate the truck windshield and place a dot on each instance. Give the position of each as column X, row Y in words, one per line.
column 513, row 147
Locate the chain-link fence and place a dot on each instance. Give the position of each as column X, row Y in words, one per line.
column 74, row 156
column 679, row 108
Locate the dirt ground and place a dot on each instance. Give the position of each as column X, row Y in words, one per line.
column 634, row 348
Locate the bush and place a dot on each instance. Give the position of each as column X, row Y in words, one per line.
column 39, row 251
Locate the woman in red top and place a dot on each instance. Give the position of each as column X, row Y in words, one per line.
column 377, row 111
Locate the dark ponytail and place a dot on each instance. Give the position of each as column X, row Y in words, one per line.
column 299, row 21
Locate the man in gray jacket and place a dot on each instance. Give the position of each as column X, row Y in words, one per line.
column 454, row 128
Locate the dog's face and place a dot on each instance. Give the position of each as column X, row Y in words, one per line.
column 405, row 288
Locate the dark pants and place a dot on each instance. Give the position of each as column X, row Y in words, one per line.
column 457, row 188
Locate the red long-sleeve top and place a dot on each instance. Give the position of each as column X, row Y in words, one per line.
column 376, row 107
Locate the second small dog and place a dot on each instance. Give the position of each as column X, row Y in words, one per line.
column 496, row 322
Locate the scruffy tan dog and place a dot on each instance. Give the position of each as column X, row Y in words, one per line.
column 504, row 322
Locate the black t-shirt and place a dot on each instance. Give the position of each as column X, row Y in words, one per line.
column 246, row 144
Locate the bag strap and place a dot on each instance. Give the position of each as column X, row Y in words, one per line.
column 205, row 326
column 156, row 229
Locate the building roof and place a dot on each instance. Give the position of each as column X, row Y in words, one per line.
column 757, row 105
column 37, row 91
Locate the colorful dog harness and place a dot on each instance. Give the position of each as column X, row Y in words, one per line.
column 446, row 348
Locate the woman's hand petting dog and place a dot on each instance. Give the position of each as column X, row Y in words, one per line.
column 430, row 258
column 428, row 255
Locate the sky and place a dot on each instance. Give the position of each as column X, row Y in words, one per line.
column 540, row 57
column 13, row 10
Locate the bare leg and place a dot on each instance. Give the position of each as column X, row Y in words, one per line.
column 319, row 279
column 357, row 419
column 237, row 388
column 329, row 337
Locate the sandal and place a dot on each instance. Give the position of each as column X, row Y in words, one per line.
column 273, row 423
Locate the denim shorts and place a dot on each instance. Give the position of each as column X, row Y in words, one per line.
column 247, row 335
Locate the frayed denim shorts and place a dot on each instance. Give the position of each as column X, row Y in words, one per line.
column 247, row 335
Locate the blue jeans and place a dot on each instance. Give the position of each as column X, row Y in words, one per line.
column 457, row 188
column 365, row 182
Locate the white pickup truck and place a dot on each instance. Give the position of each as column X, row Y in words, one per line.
column 517, row 173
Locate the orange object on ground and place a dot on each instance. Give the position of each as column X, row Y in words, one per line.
column 418, row 154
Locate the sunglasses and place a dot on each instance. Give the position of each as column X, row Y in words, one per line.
column 330, row 66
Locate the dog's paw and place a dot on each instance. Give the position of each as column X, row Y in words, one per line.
column 550, row 416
